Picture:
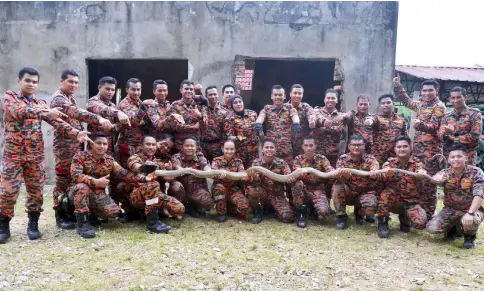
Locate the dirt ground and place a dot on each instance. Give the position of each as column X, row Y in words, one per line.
column 201, row 254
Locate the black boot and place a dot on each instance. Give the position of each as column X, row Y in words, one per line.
column 370, row 219
column 63, row 221
column 191, row 209
column 257, row 218
column 383, row 227
column 4, row 229
column 153, row 224
column 33, row 226
column 222, row 218
column 454, row 233
column 84, row 229
column 129, row 217
column 360, row 220
column 469, row 241
column 341, row 221
column 301, row 212
column 404, row 225
column 93, row 220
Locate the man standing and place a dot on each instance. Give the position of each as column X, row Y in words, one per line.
column 426, row 144
column 309, row 189
column 461, row 126
column 65, row 147
column 101, row 105
column 387, row 127
column 352, row 189
column 228, row 91
column 281, row 122
column 463, row 196
column 213, row 126
column 158, row 113
column 191, row 116
column 401, row 194
column 329, row 127
column 356, row 120
column 306, row 115
column 23, row 154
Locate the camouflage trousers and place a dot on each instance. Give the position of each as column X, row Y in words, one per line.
column 211, row 150
column 196, row 191
column 414, row 214
column 297, row 141
column 87, row 199
column 260, row 196
column 311, row 194
column 32, row 171
column 365, row 201
column 284, row 149
column 247, row 152
column 148, row 196
column 428, row 200
column 233, row 196
column 63, row 154
column 448, row 218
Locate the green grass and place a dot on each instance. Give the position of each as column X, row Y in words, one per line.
column 234, row 256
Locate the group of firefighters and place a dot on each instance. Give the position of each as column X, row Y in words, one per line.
column 126, row 143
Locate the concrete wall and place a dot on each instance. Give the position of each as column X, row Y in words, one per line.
column 53, row 36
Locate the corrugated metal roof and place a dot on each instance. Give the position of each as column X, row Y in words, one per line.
column 444, row 73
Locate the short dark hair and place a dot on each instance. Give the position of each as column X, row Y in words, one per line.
column 132, row 81
column 147, row 136
column 299, row 86
column 69, row 72
column 107, row 80
column 30, row 71
column 277, row 87
column 190, row 137
column 308, row 137
column 164, row 136
column 159, row 82
column 210, row 87
column 228, row 86
column 459, row 89
column 362, row 96
column 266, row 140
column 186, row 82
column 385, row 96
column 403, row 138
column 456, row 148
column 331, row 90
column 356, row 137
column 96, row 136
column 431, row 83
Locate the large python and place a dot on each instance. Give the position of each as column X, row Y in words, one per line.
column 276, row 177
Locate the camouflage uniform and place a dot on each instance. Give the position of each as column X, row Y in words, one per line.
column 23, row 154
column 401, row 194
column 279, row 128
column 386, row 130
column 304, row 111
column 310, row 189
column 356, row 125
column 468, row 127
column 196, row 188
column 157, row 118
column 175, row 188
column 105, row 109
column 149, row 196
column 357, row 190
column 84, row 169
column 181, row 131
column 327, row 138
column 247, row 140
column 426, row 144
column 64, row 146
column 267, row 191
column 212, row 133
column 459, row 191
column 228, row 191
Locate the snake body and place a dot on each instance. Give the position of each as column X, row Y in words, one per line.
column 274, row 176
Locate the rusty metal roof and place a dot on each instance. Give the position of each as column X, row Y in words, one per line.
column 444, row 73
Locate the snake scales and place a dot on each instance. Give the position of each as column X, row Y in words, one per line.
column 273, row 176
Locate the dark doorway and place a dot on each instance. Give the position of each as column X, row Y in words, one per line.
column 314, row 75
column 147, row 70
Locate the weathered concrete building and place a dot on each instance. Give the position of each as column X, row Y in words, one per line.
column 252, row 44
